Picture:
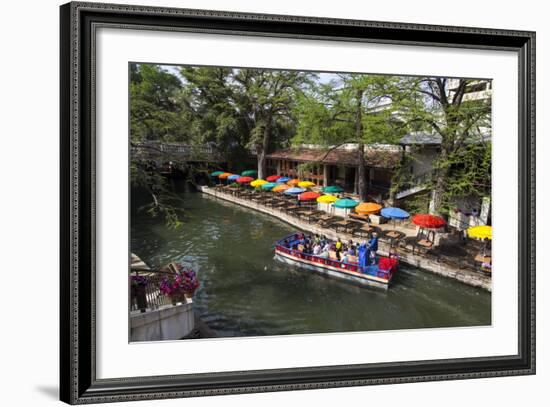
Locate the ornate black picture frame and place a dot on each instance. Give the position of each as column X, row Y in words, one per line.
column 78, row 380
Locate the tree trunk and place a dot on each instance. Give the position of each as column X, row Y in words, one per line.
column 362, row 173
column 440, row 184
column 264, row 148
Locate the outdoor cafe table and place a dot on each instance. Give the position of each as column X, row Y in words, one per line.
column 324, row 219
column 343, row 224
column 365, row 229
column 294, row 208
column 482, row 259
column 308, row 214
column 394, row 234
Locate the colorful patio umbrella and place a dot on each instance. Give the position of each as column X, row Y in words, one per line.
column 258, row 182
column 345, row 203
column 425, row 220
column 244, row 180
column 294, row 182
column 280, row 188
column 308, row 196
column 294, row 191
column 273, row 178
column 249, row 173
column 268, row 186
column 283, row 179
column 327, row 199
column 224, row 175
column 234, row 177
column 306, row 184
column 368, row 208
column 395, row 213
column 216, row 173
column 480, row 232
column 333, row 189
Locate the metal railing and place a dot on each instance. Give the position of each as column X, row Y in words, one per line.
column 149, row 296
column 414, row 184
column 175, row 151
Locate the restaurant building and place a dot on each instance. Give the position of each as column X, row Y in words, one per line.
column 328, row 166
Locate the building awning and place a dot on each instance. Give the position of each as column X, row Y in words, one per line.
column 378, row 158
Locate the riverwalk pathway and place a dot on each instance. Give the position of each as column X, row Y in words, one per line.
column 433, row 265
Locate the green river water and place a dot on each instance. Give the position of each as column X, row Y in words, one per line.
column 246, row 292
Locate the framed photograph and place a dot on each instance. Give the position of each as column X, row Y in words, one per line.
column 254, row 203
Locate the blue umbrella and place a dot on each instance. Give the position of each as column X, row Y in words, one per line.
column 233, row 177
column 395, row 213
column 283, row 180
column 294, row 191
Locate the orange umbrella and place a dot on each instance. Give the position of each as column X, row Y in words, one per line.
column 368, row 208
column 224, row 175
column 294, row 182
column 280, row 188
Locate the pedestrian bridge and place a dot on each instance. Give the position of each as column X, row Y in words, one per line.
column 173, row 151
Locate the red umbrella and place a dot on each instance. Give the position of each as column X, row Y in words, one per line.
column 308, row 196
column 425, row 220
column 273, row 178
column 244, row 180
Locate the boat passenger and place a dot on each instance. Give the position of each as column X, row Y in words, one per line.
column 338, row 247
column 317, row 249
column 373, row 243
column 324, row 254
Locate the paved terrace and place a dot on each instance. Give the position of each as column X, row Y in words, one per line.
column 456, row 261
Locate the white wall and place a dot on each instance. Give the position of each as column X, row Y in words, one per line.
column 29, row 204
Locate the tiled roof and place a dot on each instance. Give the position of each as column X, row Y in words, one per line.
column 373, row 158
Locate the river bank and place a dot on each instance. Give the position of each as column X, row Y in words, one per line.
column 469, row 277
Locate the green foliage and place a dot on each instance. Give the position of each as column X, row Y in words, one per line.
column 155, row 111
column 236, row 110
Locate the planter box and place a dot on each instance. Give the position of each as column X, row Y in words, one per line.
column 377, row 219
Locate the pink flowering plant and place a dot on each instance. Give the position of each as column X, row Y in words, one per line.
column 184, row 281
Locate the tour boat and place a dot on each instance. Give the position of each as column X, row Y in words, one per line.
column 367, row 271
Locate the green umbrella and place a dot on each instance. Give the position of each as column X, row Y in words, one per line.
column 333, row 189
column 216, row 173
column 249, row 173
column 345, row 203
column 269, row 186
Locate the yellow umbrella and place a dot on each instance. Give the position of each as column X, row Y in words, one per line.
column 327, row 199
column 480, row 232
column 280, row 188
column 258, row 182
column 224, row 175
column 294, row 182
column 306, row 184
column 368, row 208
